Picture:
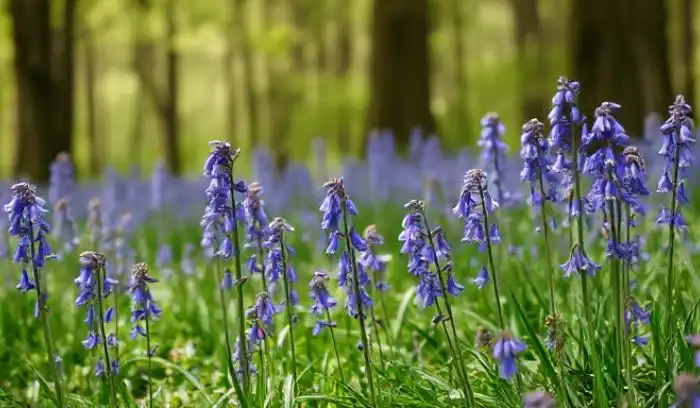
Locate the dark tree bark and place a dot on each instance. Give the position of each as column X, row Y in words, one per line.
column 94, row 140
column 165, row 98
column 342, row 67
column 528, row 40
column 43, row 67
column 458, row 34
column 620, row 54
column 400, row 69
column 240, row 31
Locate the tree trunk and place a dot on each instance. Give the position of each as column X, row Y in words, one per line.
column 94, row 141
column 171, row 125
column 621, row 55
column 528, row 32
column 460, row 79
column 400, row 69
column 240, row 26
column 43, row 67
column 342, row 67
column 229, row 71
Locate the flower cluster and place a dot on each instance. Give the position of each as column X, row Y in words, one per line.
column 475, row 201
column 336, row 207
column 261, row 316
column 676, row 150
column 26, row 218
column 276, row 259
column 256, row 226
column 635, row 315
column 422, row 256
column 66, row 228
column 505, row 351
column 220, row 218
column 371, row 260
column 62, row 178
column 93, row 288
column 143, row 309
column 494, row 150
column 323, row 301
column 537, row 165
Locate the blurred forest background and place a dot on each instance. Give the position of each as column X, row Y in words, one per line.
column 126, row 82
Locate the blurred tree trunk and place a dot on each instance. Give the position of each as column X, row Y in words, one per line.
column 400, row 69
column 688, row 50
column 621, row 55
column 43, row 67
column 165, row 98
column 528, row 40
column 141, row 53
column 459, row 35
column 94, row 140
column 240, row 30
column 342, row 68
column 230, row 72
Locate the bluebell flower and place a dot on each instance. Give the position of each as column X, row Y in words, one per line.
column 634, row 179
column 92, row 275
column 687, row 392
column 274, row 265
column 66, row 229
column 538, row 399
column 579, row 261
column 677, row 152
column 635, row 317
column 563, row 117
column 473, row 196
column 494, row 150
column 143, row 306
column 537, row 164
column 220, row 219
column 372, row 261
column 482, row 278
column 62, row 178
column 261, row 315
column 323, row 301
column 505, row 351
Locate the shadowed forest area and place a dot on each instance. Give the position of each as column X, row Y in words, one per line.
column 127, row 82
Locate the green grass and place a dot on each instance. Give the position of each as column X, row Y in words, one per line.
column 189, row 368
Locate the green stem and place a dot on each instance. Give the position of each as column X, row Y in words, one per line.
column 599, row 398
column 456, row 350
column 288, row 304
column 44, row 319
column 101, row 274
column 632, row 400
column 552, row 300
column 335, row 347
column 494, row 273
column 227, row 339
column 670, row 318
column 617, row 295
column 358, row 300
column 148, row 353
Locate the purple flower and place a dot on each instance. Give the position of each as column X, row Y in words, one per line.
column 493, row 153
column 505, row 351
column 323, row 302
column 538, row 399
column 687, row 394
column 482, row 279
column 537, row 165
column 579, row 261
column 261, row 315
column 373, row 262
column 62, row 178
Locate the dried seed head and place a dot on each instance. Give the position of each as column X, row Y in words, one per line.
column 415, row 206
column 484, row 338
column 139, row 271
column 91, row 258
column 631, row 155
column 279, row 224
column 94, row 205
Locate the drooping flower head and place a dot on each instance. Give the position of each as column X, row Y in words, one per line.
column 494, row 150
column 220, row 217
column 143, row 307
column 26, row 219
column 676, row 150
column 261, row 316
column 473, row 197
column 505, row 351
column 537, row 164
column 634, row 179
column 93, row 287
column 636, row 317
column 274, row 265
column 66, row 228
column 323, row 301
column 256, row 225
column 578, row 261
column 337, row 207
column 371, row 260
